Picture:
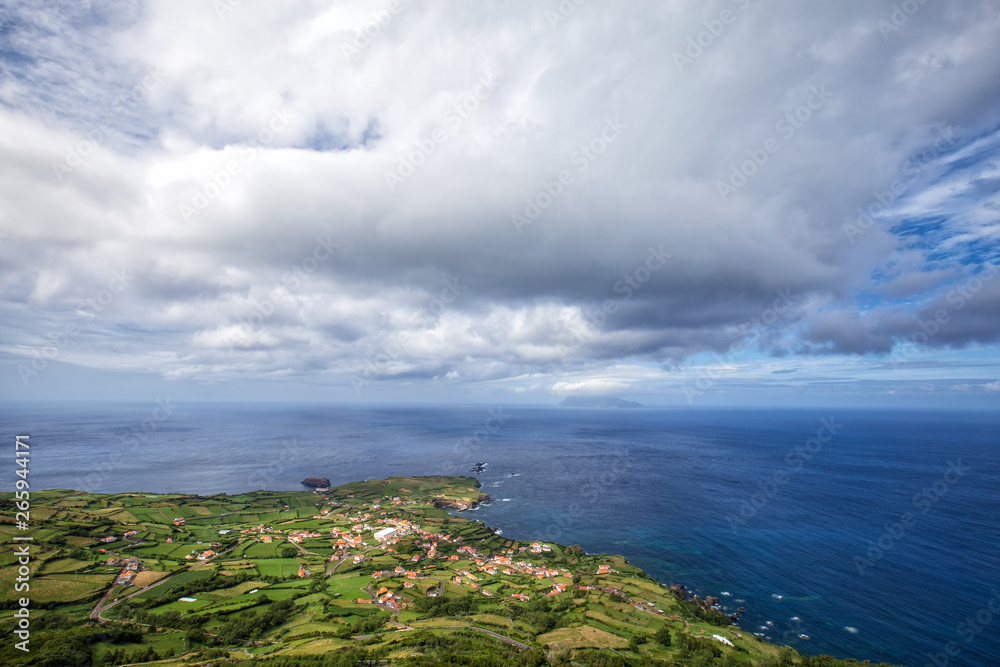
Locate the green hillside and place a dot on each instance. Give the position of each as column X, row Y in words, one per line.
column 373, row 571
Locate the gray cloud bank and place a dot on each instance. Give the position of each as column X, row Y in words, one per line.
column 504, row 192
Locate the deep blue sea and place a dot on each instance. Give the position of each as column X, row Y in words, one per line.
column 879, row 531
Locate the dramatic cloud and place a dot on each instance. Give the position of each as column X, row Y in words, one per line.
column 504, row 198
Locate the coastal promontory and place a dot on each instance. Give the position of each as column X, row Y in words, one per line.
column 372, row 572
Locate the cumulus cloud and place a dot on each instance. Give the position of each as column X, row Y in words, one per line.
column 509, row 195
column 588, row 388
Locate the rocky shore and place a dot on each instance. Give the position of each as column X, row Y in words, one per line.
column 448, row 503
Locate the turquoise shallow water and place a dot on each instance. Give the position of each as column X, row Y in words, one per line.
column 877, row 531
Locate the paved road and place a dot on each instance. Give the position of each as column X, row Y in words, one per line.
column 101, row 607
column 506, row 640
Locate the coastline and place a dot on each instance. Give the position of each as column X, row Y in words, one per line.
column 395, row 535
column 710, row 603
column 676, row 529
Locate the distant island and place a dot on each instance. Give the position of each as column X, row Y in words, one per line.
column 597, row 402
column 366, row 573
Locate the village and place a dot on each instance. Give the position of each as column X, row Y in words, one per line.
column 373, row 532
column 348, row 556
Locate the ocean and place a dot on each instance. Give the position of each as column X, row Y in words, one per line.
column 865, row 534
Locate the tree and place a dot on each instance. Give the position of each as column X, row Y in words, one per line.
column 196, row 636
column 662, row 637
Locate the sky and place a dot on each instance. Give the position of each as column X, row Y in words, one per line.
column 680, row 203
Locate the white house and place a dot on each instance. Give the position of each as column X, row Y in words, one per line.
column 385, row 534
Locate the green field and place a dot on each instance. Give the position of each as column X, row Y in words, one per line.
column 250, row 599
column 277, row 567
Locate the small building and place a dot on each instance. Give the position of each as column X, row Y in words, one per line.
column 385, row 534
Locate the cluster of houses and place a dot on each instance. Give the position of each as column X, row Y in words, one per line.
column 300, row 535
column 503, row 564
column 386, row 532
column 386, row 598
column 398, row 572
column 393, row 528
column 132, row 567
column 204, row 555
column 128, row 535
column 346, row 539
column 642, row 605
column 255, row 530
